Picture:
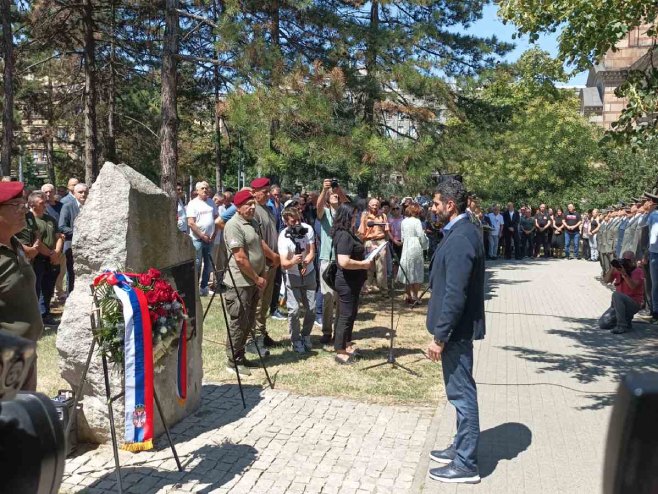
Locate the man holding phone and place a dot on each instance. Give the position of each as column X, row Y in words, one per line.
column 628, row 297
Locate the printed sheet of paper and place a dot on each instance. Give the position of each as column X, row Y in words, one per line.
column 376, row 252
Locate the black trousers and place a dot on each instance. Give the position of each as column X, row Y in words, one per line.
column 509, row 237
column 542, row 239
column 526, row 244
column 278, row 278
column 70, row 275
column 348, row 291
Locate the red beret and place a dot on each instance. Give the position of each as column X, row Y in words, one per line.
column 10, row 190
column 259, row 183
column 241, row 197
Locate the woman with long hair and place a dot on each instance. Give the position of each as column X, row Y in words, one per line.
column 350, row 277
column 414, row 242
column 558, row 233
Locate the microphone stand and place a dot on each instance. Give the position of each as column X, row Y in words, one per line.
column 391, row 294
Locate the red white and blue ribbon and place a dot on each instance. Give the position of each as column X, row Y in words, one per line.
column 181, row 381
column 138, row 364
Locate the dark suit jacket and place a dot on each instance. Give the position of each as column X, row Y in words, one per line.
column 67, row 218
column 456, row 307
column 509, row 222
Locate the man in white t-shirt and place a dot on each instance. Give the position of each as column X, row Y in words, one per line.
column 201, row 213
column 496, row 231
column 297, row 251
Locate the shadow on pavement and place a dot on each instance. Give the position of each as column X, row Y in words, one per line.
column 599, row 355
column 211, row 467
column 503, row 442
column 220, row 405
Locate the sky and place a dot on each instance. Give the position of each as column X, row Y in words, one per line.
column 491, row 25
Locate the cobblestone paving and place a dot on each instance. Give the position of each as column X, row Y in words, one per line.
column 281, row 443
column 544, row 372
column 549, row 372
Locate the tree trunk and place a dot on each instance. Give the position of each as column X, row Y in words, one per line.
column 110, row 141
column 91, row 130
column 48, row 137
column 277, row 69
column 168, row 107
column 218, row 118
column 8, row 113
column 372, row 87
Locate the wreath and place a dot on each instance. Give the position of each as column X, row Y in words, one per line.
column 165, row 306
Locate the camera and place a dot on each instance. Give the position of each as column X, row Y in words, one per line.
column 32, row 444
column 334, row 183
column 625, row 264
column 296, row 231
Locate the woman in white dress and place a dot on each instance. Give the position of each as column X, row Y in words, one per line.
column 414, row 242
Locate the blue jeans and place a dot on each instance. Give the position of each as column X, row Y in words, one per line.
column 457, row 362
column 572, row 238
column 203, row 252
column 653, row 270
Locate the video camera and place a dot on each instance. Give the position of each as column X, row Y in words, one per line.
column 334, row 183
column 296, row 232
column 32, row 445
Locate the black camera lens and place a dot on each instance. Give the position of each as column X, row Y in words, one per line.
column 334, row 183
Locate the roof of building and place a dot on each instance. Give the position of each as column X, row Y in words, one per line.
column 590, row 97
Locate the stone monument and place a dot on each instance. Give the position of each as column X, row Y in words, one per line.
column 127, row 223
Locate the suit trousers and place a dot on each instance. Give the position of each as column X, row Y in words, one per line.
column 509, row 237
column 457, row 363
column 70, row 275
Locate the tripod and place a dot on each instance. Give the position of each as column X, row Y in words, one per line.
column 390, row 359
column 219, row 290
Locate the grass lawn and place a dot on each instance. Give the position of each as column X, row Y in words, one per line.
column 316, row 373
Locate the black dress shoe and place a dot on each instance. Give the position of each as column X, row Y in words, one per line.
column 452, row 474
column 444, row 456
column 325, row 339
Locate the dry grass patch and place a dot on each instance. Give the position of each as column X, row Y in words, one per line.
column 316, row 373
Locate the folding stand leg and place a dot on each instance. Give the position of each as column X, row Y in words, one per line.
column 166, row 428
column 78, row 394
column 113, row 431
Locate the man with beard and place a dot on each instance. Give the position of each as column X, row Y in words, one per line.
column 455, row 317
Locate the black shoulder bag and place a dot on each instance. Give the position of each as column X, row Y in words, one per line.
column 329, row 274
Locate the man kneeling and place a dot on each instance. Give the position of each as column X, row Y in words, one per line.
column 628, row 296
column 297, row 250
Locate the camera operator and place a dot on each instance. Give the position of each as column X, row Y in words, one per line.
column 297, row 252
column 628, row 296
column 19, row 306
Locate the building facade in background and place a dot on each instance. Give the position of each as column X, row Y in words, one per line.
column 597, row 100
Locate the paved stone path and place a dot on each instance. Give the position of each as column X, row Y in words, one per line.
column 545, row 375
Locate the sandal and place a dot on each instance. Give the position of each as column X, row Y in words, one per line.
column 348, row 361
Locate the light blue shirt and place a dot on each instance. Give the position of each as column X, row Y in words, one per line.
column 452, row 222
column 652, row 223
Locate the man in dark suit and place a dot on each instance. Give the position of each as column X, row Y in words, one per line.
column 511, row 220
column 455, row 317
column 67, row 217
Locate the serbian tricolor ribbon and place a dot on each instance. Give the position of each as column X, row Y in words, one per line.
column 138, row 364
column 181, row 383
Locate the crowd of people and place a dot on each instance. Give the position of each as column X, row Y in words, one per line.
column 267, row 248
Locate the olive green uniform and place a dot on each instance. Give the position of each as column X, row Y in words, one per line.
column 267, row 228
column 19, row 307
column 242, row 295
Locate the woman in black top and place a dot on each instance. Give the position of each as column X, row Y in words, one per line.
column 350, row 277
column 558, row 233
